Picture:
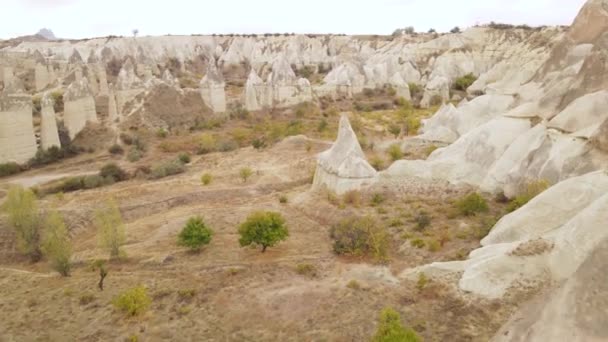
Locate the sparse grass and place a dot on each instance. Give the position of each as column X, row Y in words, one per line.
column 306, row 269
column 530, row 191
column 433, row 245
column 186, row 294
column 395, row 152
column 377, row 199
column 352, row 198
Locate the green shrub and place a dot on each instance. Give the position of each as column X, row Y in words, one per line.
column 206, row 179
column 207, row 144
column 48, row 156
column 394, row 129
column 306, row 269
column 377, row 199
column 377, row 163
column 184, row 158
column 422, row 220
column 126, row 139
column 413, row 125
column 258, row 143
column 110, row 229
column 133, row 302
column 237, row 111
column 114, row 172
column 134, row 155
column 282, row 199
column 433, row 245
column 263, row 228
column 227, row 146
column 167, row 169
column 57, row 101
column 415, row 89
column 86, row 299
column 93, row 181
column 57, row 246
column 464, row 82
column 322, row 126
column 245, row 173
column 72, row 184
column 21, row 208
column 531, row 190
column 162, row 133
column 471, row 204
column 422, row 281
column 360, row 236
column 395, row 152
column 418, row 243
column 10, row 168
column 195, row 234
column 353, row 285
column 390, row 329
column 116, row 149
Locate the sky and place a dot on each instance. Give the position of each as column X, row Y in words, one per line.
column 96, row 18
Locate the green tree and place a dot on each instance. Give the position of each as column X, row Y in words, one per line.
column 110, row 229
column 57, row 246
column 390, row 329
column 263, row 228
column 22, row 210
column 195, row 234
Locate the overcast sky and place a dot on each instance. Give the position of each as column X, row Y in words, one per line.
column 93, row 18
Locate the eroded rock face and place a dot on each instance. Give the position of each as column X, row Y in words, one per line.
column 79, row 107
column 17, row 142
column 343, row 167
column 49, row 135
column 213, row 89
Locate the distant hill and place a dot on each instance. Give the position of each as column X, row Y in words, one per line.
column 46, row 33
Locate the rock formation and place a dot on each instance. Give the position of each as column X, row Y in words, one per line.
column 17, row 141
column 343, row 167
column 213, row 89
column 79, row 107
column 49, row 135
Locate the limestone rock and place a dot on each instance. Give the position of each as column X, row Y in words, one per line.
column 256, row 96
column 17, row 141
column 79, row 107
column 438, row 89
column 588, row 111
column 213, row 89
column 343, row 167
column 49, row 135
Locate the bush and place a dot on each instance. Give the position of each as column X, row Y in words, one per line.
column 418, row 243
column 263, row 228
column 206, row 179
column 282, row 199
column 245, row 173
column 195, row 234
column 464, row 82
column 531, row 190
column 471, row 204
column 110, row 229
column 258, row 143
column 360, row 236
column 133, row 302
column 116, row 149
column 126, row 139
column 114, row 172
column 134, row 155
column 456, row 29
column 57, row 246
column 21, row 208
column 390, row 329
column 207, row 144
column 227, row 146
column 10, row 168
column 322, row 126
column 48, row 156
column 422, row 220
column 162, row 133
column 377, row 199
column 394, row 129
column 167, row 169
column 422, row 281
column 352, row 197
column 237, row 111
column 433, row 245
column 93, row 181
column 394, row 151
column 415, row 89
column 308, row 270
column 184, row 158
column 72, row 184
column 57, row 101
column 413, row 125
column 377, row 163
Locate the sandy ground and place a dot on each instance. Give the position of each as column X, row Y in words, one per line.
column 241, row 294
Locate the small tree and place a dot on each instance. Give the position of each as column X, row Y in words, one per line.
column 57, row 246
column 245, row 173
column 390, row 329
column 195, row 234
column 22, row 210
column 456, row 29
column 110, row 228
column 103, row 272
column 263, row 228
